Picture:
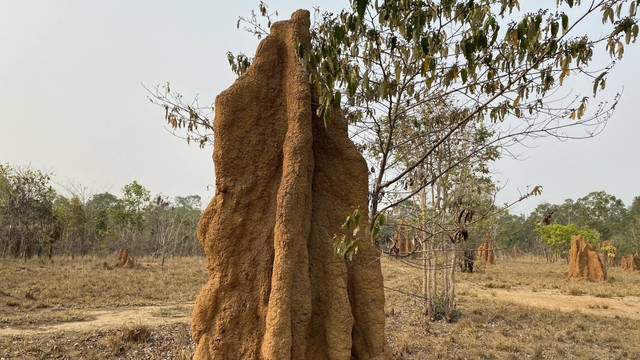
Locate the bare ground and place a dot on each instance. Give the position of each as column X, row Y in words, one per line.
column 157, row 315
column 109, row 319
column 626, row 306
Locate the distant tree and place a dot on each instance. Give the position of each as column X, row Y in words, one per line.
column 26, row 202
column 545, row 214
column 74, row 218
column 190, row 201
column 78, row 227
column 627, row 238
column 568, row 212
column 104, row 209
column 131, row 214
column 189, row 210
column 602, row 212
column 558, row 237
column 171, row 226
column 514, row 231
column 136, row 198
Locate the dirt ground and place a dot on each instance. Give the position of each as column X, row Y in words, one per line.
column 522, row 308
column 156, row 315
column 627, row 306
column 109, row 319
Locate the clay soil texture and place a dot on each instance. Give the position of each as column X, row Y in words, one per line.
column 520, row 308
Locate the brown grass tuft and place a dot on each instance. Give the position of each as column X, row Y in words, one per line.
column 138, row 333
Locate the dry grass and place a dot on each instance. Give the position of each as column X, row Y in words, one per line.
column 80, row 283
column 43, row 292
column 493, row 324
column 131, row 342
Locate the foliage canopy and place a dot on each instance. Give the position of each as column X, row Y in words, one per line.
column 558, row 237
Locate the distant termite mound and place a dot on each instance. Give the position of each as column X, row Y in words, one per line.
column 584, row 262
column 124, row 259
column 485, row 252
column 630, row 262
column 285, row 184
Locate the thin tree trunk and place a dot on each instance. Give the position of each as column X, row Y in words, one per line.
column 425, row 253
column 452, row 285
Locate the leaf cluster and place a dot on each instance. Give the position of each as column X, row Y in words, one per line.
column 558, row 236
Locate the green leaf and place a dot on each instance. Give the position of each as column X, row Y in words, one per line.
column 299, row 49
column 375, row 232
column 424, row 44
column 521, row 29
column 356, row 217
column 339, row 33
column 361, row 7
column 351, row 249
column 565, row 22
column 337, row 98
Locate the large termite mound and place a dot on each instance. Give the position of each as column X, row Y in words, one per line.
column 485, row 252
column 630, row 262
column 584, row 261
column 285, row 183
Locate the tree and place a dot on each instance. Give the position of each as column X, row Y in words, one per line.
column 602, row 212
column 515, row 230
column 188, row 210
column 558, row 237
column 131, row 214
column 26, row 202
column 190, row 201
column 75, row 222
column 79, row 224
column 627, row 238
column 171, row 226
column 386, row 59
column 461, row 189
column 103, row 208
column 384, row 63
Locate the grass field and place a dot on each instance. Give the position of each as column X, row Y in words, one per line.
column 517, row 309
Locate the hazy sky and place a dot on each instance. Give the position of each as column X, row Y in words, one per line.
column 72, row 100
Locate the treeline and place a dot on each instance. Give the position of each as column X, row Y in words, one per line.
column 35, row 220
column 599, row 216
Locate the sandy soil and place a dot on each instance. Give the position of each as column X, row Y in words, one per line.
column 111, row 318
column 119, row 317
column 628, row 306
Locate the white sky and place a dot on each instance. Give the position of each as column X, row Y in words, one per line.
column 72, row 101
